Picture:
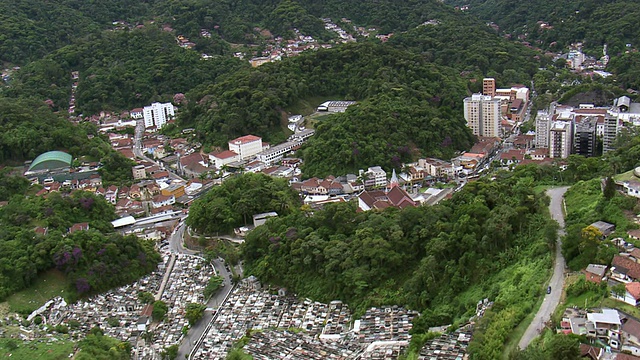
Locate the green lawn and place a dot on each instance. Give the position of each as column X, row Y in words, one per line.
column 590, row 299
column 615, row 304
column 36, row 350
column 48, row 285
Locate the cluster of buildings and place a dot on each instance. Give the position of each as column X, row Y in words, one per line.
column 155, row 115
column 120, row 314
column 620, row 331
column 495, row 112
column 278, row 48
column 565, row 130
column 328, row 330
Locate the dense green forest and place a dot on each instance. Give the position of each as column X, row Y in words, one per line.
column 491, row 240
column 29, row 29
column 233, row 203
column 118, row 71
column 93, row 261
column 29, row 128
column 592, row 22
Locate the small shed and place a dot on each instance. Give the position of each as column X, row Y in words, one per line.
column 605, row 228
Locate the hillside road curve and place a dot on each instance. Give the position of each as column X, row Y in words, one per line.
column 551, row 300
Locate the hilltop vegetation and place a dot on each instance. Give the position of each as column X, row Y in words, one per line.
column 118, row 71
column 233, row 203
column 93, row 261
column 592, row 22
column 440, row 260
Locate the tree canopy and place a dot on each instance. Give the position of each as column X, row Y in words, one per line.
column 233, row 203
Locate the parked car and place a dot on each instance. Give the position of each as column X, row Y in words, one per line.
column 549, row 290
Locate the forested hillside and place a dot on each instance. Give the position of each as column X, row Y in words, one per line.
column 590, row 21
column 92, row 261
column 119, row 71
column 29, row 29
column 439, row 260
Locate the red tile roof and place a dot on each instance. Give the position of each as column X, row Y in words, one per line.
column 245, row 139
column 224, row 154
column 634, row 289
column 626, row 266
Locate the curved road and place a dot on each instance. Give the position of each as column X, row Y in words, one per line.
column 552, row 300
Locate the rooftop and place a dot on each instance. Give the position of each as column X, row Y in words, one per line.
column 245, row 139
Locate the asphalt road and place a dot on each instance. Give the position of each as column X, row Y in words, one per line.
column 195, row 332
column 552, row 300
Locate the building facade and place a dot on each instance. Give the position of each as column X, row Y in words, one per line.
column 157, row 114
column 246, row 146
column 560, row 137
column 489, row 87
column 482, row 113
column 584, row 138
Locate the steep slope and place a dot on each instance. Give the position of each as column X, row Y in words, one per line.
column 595, row 23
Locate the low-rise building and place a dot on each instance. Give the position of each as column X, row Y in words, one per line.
column 595, row 272
column 162, row 200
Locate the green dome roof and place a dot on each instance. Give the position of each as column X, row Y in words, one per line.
column 51, row 160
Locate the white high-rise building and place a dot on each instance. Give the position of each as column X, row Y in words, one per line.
column 543, row 124
column 482, row 113
column 560, row 139
column 157, row 114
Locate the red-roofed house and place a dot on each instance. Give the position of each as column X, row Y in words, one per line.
column 513, row 156
column 246, row 146
column 379, row 199
column 194, row 164
column 78, row 227
column 624, row 269
column 632, row 293
column 162, row 200
column 221, row 158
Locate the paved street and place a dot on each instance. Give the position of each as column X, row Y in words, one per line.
column 552, row 300
column 197, row 330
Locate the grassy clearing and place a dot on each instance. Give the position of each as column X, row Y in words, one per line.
column 615, row 304
column 48, row 285
column 542, row 188
column 36, row 350
column 516, row 334
column 309, row 105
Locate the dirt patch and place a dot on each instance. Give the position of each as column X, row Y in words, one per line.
column 596, row 97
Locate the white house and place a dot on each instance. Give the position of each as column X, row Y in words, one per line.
column 163, row 200
column 157, row 114
column 631, row 295
column 246, row 146
column 222, row 158
column 631, row 188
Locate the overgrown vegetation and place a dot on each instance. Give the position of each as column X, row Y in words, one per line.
column 92, row 261
column 585, row 204
column 491, row 240
column 234, row 203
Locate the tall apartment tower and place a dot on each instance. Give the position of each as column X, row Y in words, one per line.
column 610, row 133
column 157, row 114
column 483, row 115
column 560, row 137
column 543, row 125
column 584, row 136
column 489, row 87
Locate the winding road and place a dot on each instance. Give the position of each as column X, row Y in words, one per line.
column 551, row 300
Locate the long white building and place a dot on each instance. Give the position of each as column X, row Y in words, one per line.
column 157, row 114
